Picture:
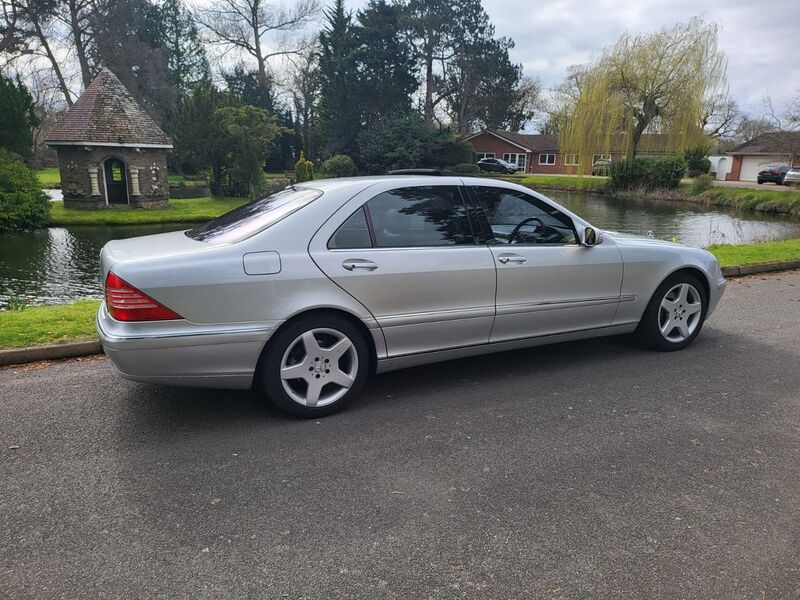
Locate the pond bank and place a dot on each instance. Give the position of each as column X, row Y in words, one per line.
column 181, row 210
column 775, row 202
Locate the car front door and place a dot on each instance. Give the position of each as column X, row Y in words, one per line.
column 547, row 283
column 410, row 256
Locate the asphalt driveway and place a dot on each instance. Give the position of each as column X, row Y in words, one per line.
column 585, row 470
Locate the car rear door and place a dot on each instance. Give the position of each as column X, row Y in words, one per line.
column 547, row 283
column 409, row 254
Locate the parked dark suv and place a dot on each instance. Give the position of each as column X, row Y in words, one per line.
column 774, row 175
column 496, row 165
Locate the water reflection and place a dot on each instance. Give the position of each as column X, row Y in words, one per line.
column 687, row 223
column 56, row 265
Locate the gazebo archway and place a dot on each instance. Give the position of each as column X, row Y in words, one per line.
column 116, row 181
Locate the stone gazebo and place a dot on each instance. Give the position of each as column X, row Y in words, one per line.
column 110, row 152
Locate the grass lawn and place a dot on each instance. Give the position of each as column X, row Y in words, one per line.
column 48, row 324
column 749, row 254
column 181, row 210
column 49, row 178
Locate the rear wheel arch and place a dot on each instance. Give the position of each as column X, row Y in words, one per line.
column 337, row 312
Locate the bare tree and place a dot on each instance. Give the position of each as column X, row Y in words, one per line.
column 29, row 29
column 720, row 117
column 257, row 28
column 77, row 16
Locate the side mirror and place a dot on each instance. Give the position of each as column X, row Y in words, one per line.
column 592, row 237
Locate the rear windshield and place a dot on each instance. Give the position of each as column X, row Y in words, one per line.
column 246, row 221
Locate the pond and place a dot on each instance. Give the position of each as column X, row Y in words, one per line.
column 56, row 265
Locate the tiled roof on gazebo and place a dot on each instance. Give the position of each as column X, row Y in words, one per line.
column 107, row 114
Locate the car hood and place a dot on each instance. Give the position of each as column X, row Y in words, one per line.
column 148, row 247
column 631, row 239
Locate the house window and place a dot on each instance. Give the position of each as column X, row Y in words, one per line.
column 572, row 160
column 596, row 157
column 515, row 159
column 482, row 155
column 547, row 159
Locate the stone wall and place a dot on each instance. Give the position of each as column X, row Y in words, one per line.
column 83, row 181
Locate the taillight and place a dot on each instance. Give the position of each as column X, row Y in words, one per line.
column 125, row 303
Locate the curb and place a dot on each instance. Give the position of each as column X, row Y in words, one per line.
column 31, row 354
column 760, row 268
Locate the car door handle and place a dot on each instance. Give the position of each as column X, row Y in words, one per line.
column 512, row 258
column 351, row 264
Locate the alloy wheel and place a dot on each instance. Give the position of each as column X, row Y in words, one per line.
column 680, row 312
column 319, row 367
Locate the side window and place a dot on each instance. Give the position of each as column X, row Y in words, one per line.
column 353, row 233
column 517, row 218
column 419, row 216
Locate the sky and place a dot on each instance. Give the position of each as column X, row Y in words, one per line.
column 761, row 38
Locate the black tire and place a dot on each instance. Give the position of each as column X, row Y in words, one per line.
column 270, row 365
column 649, row 332
column 760, row 182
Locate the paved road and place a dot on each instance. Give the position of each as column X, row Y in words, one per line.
column 586, row 470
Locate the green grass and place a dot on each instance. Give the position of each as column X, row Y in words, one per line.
column 49, row 178
column 183, row 210
column 749, row 254
column 565, row 182
column 48, row 324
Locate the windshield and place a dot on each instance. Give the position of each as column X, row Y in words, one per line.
column 246, row 221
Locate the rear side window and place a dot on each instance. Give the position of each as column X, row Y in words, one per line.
column 248, row 220
column 408, row 217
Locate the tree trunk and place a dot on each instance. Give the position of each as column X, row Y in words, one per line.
column 429, row 88
column 263, row 80
column 80, row 47
column 62, row 84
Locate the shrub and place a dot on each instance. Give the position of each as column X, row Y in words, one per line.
column 647, row 173
column 340, row 165
column 303, row 169
column 702, row 183
column 467, row 168
column 696, row 161
column 23, row 204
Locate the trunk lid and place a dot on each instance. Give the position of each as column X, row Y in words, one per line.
column 142, row 248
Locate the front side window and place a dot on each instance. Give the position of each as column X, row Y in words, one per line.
column 252, row 218
column 407, row 217
column 517, row 218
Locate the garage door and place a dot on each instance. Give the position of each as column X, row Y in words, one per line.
column 751, row 165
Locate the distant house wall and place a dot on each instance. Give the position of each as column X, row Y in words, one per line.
column 486, row 143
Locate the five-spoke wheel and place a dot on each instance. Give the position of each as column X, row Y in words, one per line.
column 315, row 365
column 675, row 314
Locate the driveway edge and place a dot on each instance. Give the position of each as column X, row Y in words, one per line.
column 742, row 270
column 17, row 356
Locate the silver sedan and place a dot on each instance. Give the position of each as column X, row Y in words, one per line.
column 304, row 293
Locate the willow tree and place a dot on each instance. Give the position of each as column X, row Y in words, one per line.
column 647, row 83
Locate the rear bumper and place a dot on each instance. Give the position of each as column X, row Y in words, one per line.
column 183, row 353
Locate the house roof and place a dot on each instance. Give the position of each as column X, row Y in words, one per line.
column 650, row 143
column 107, row 115
column 527, row 141
column 778, row 142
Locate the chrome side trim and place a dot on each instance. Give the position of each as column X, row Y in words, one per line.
column 456, row 314
column 413, row 360
column 513, row 309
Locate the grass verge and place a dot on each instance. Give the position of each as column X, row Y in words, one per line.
column 767, row 201
column 48, row 324
column 730, row 255
column 49, row 178
column 181, row 210
column 565, row 182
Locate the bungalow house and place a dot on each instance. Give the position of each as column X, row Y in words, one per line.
column 538, row 153
column 767, row 149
